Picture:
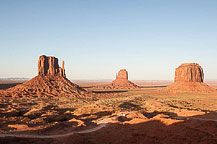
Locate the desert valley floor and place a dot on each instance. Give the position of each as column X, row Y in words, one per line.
column 110, row 116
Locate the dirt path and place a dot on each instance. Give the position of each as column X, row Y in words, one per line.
column 102, row 124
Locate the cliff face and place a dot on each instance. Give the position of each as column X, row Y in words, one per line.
column 121, row 82
column 51, row 81
column 122, row 74
column 49, row 66
column 189, row 72
column 189, row 78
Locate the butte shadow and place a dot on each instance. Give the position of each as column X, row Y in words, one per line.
column 161, row 128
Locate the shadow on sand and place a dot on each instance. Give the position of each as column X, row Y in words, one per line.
column 192, row 130
column 153, row 86
column 6, row 86
column 200, row 129
column 112, row 91
column 86, row 87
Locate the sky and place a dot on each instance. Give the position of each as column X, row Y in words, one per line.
column 97, row 38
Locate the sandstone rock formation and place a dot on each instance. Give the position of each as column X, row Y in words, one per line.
column 122, row 75
column 121, row 82
column 189, row 78
column 51, row 81
column 49, row 66
column 189, row 72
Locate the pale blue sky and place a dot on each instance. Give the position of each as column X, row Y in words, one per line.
column 96, row 38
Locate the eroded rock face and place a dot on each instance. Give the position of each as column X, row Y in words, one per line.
column 48, row 65
column 189, row 78
column 122, row 74
column 121, row 82
column 51, row 81
column 189, row 72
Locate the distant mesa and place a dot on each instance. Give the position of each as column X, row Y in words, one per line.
column 122, row 75
column 121, row 82
column 51, row 81
column 189, row 78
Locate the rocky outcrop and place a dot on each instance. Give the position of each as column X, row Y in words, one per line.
column 189, row 72
column 122, row 75
column 121, row 82
column 51, row 81
column 49, row 66
column 189, row 78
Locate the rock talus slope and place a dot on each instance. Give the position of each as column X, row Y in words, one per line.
column 189, row 78
column 51, row 81
column 121, row 82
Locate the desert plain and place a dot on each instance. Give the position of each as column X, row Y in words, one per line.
column 52, row 109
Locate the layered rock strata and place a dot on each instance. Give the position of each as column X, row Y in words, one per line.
column 51, row 81
column 49, row 66
column 189, row 78
column 121, row 82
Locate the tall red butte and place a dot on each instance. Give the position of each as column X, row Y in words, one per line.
column 189, row 78
column 49, row 66
column 121, row 82
column 50, row 81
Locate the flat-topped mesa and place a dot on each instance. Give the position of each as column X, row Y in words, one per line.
column 122, row 75
column 189, row 78
column 121, row 82
column 51, row 81
column 189, row 72
column 48, row 65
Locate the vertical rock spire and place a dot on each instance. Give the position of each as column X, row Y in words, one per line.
column 63, row 69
